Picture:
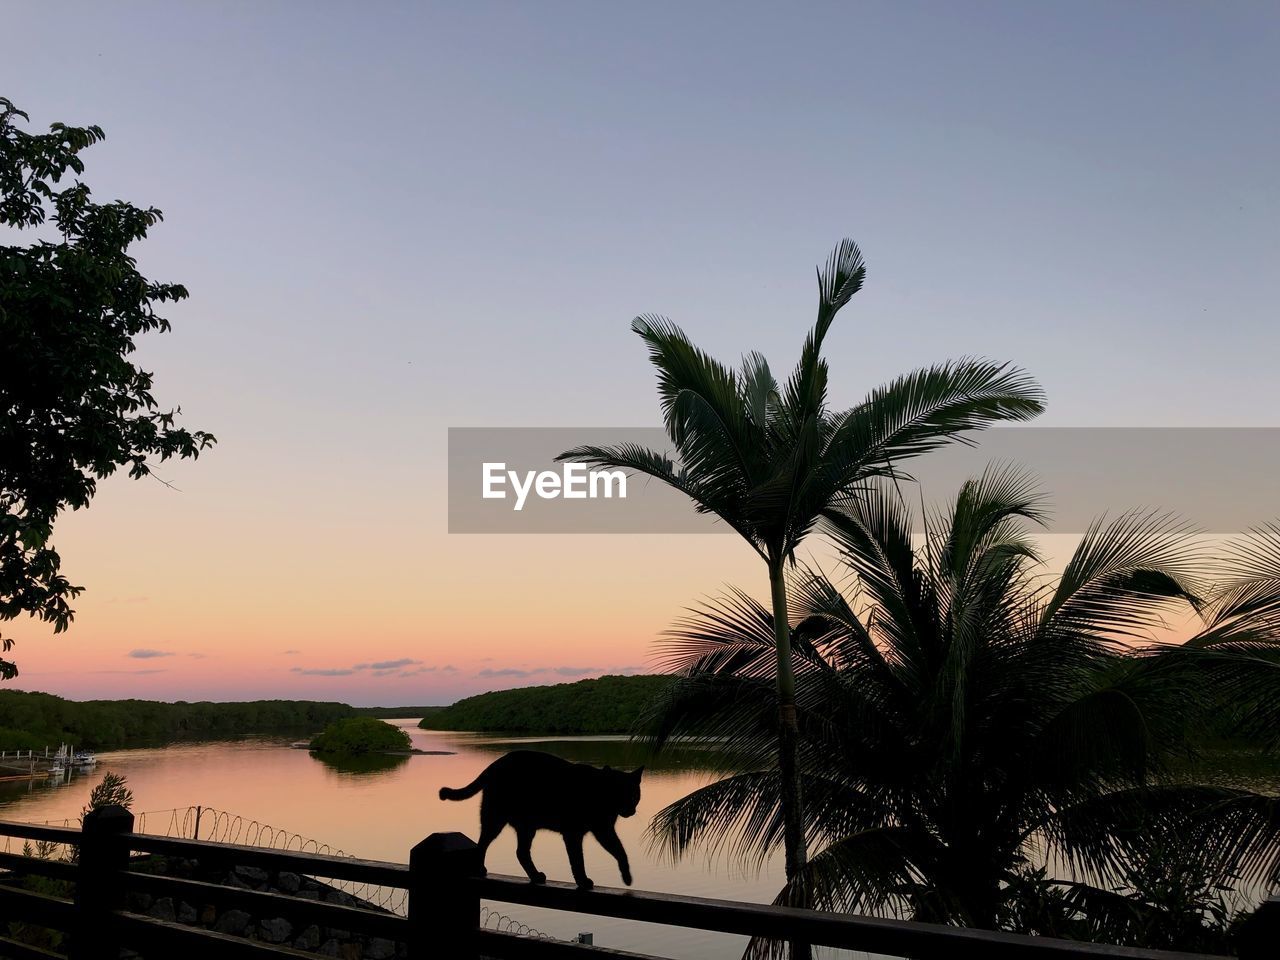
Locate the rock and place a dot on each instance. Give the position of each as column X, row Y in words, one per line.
column 208, row 914
column 337, row 896
column 308, row 894
column 254, row 875
column 163, row 909
column 186, row 913
column 350, row 951
column 310, row 938
column 330, row 949
column 276, row 930
column 288, row 882
column 234, row 922
column 380, row 948
column 235, row 881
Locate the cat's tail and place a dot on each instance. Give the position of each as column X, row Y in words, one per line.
column 466, row 793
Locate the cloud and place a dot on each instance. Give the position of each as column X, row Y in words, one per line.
column 376, row 668
column 290, row 653
column 387, row 664
column 133, row 673
column 144, row 653
column 490, row 672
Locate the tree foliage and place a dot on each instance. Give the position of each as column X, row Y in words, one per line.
column 74, row 408
column 113, row 789
column 985, row 744
column 610, row 704
column 33, row 721
column 360, row 735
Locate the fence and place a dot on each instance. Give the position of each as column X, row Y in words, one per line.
column 203, row 822
column 443, row 919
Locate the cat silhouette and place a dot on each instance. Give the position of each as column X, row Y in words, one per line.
column 535, row 791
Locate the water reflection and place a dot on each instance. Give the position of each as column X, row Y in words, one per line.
column 364, row 765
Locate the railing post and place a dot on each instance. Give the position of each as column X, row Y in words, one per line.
column 104, row 855
column 444, row 908
column 1261, row 932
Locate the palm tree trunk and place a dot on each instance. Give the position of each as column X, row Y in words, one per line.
column 788, row 735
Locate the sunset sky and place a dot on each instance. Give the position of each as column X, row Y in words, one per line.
column 398, row 218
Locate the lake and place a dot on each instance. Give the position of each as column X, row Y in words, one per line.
column 380, row 814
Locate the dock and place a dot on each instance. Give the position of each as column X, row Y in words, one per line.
column 36, row 765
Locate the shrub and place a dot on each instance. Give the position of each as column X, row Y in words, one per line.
column 357, row 735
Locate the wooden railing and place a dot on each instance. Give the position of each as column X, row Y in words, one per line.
column 445, row 890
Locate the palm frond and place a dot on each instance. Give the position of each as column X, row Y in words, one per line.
column 701, row 406
column 1101, row 734
column 736, row 714
column 1246, row 603
column 759, row 389
column 739, row 816
column 1124, row 577
column 838, row 281
column 727, row 634
column 872, row 531
column 924, row 410
column 1233, row 834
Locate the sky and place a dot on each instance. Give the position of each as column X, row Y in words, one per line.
column 398, row 218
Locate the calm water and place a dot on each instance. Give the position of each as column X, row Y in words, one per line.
column 381, row 814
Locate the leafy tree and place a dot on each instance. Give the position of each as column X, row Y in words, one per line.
column 767, row 460
column 968, row 720
column 73, row 407
column 360, row 735
column 114, row 789
column 610, row 704
column 38, row 720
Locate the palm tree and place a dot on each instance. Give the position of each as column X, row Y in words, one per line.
column 767, row 461
column 972, row 727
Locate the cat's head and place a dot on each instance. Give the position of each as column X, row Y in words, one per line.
column 626, row 790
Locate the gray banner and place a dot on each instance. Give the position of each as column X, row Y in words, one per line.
column 1221, row 480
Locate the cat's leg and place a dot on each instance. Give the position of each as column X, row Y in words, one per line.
column 573, row 844
column 491, row 824
column 524, row 848
column 608, row 838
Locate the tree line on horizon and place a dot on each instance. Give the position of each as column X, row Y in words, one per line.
column 34, row 721
column 609, row 704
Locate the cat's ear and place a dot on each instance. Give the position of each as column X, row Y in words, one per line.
column 637, row 772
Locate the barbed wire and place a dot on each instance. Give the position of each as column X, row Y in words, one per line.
column 222, row 826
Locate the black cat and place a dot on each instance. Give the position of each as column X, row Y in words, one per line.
column 537, row 791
